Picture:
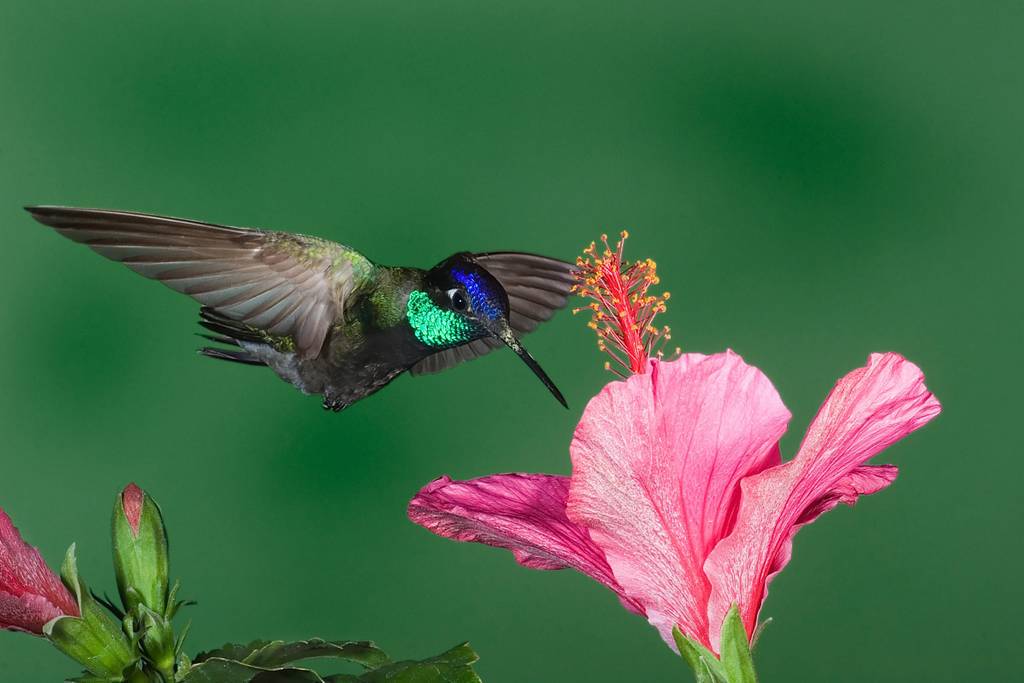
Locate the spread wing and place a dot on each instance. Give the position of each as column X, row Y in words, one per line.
column 286, row 285
column 537, row 286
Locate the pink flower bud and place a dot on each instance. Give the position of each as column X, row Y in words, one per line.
column 132, row 498
column 140, row 551
column 30, row 594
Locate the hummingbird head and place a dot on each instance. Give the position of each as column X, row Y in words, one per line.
column 468, row 304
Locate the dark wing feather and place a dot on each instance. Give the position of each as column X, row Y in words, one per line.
column 286, row 285
column 537, row 286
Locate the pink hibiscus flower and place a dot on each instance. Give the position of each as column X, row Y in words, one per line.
column 30, row 594
column 679, row 500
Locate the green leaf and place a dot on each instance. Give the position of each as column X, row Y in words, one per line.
column 231, row 651
column 181, row 668
column 278, row 652
column 270, row 654
column 705, row 665
column 453, row 666
column 261, row 662
column 736, row 659
column 218, row 670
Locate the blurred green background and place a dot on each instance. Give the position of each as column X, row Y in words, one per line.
column 816, row 181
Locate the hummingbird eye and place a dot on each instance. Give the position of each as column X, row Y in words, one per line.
column 457, row 299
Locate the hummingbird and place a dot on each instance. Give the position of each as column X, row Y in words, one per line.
column 321, row 315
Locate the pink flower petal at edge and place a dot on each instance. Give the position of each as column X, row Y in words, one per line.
column 868, row 410
column 524, row 513
column 657, row 461
column 30, row 594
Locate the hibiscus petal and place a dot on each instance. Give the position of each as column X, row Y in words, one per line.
column 862, row 481
column 524, row 513
column 26, row 613
column 656, row 464
column 868, row 410
column 30, row 594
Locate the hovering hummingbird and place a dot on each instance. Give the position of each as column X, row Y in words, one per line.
column 321, row 315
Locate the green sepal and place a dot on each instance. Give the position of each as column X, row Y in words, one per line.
column 758, row 632
column 132, row 675
column 93, row 639
column 173, row 604
column 706, row 666
column 137, row 675
column 158, row 644
column 179, row 644
column 270, row 654
column 736, row 658
column 141, row 559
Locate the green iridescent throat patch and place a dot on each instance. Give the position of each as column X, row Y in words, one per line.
column 435, row 326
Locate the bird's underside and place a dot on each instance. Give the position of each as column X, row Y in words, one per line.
column 297, row 304
column 342, row 378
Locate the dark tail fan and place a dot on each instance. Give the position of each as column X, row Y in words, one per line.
column 235, row 331
column 238, row 356
column 228, row 332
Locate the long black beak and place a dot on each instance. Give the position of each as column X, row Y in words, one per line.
column 505, row 334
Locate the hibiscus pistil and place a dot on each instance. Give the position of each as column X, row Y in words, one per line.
column 622, row 312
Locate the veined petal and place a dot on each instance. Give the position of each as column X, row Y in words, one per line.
column 524, row 513
column 868, row 410
column 26, row 612
column 657, row 460
column 30, row 593
column 862, row 481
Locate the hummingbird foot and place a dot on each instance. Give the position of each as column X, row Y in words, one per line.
column 335, row 404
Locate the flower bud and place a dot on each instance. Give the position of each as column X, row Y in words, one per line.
column 158, row 643
column 30, row 593
column 140, row 551
column 93, row 639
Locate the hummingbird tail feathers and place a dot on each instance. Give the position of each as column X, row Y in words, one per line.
column 234, row 355
column 230, row 333
column 230, row 330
